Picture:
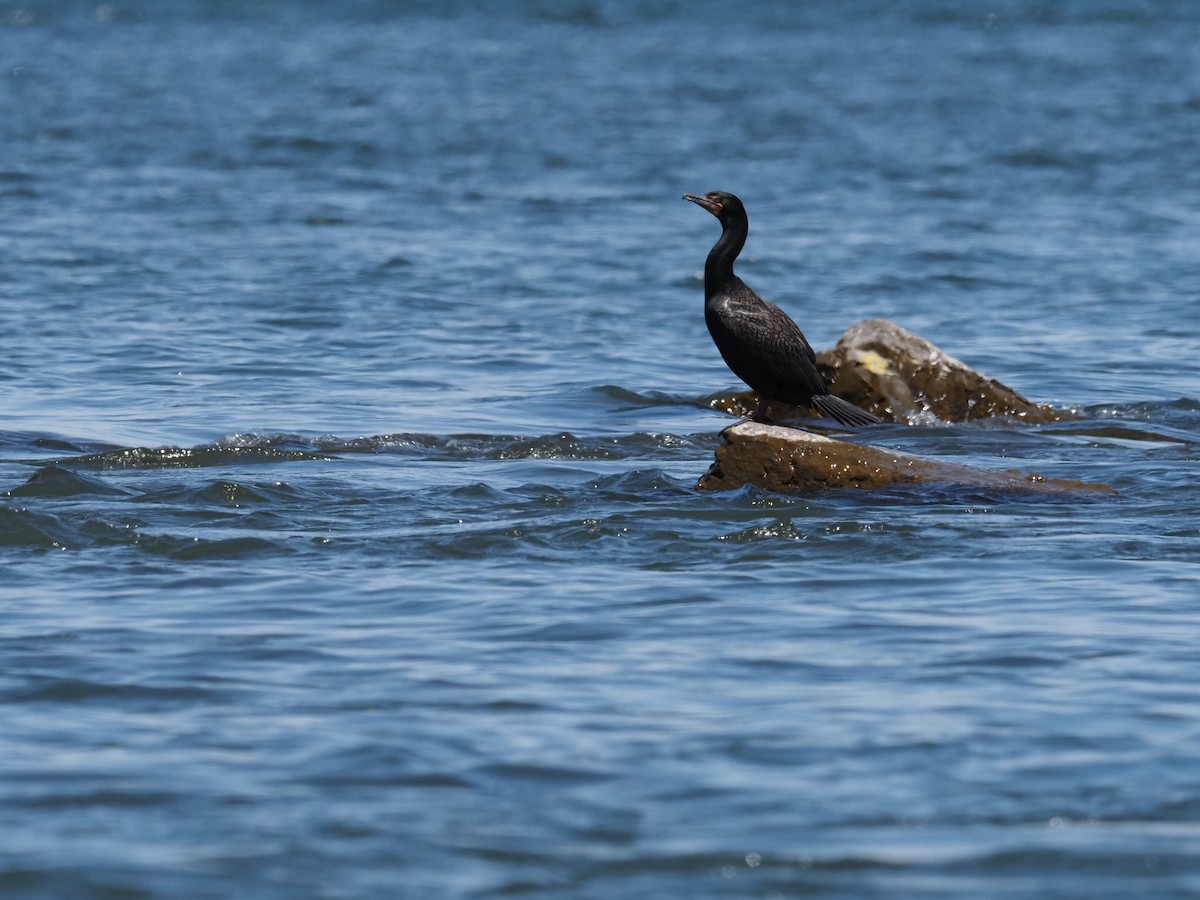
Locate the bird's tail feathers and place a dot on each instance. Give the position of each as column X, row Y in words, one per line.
column 845, row 412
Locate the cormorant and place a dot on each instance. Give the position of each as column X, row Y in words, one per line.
column 757, row 339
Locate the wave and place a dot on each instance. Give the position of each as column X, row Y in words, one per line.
column 563, row 445
column 55, row 481
column 181, row 458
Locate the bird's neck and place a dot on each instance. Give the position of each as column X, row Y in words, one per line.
column 718, row 268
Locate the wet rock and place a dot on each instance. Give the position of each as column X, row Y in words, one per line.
column 897, row 375
column 901, row 377
column 790, row 460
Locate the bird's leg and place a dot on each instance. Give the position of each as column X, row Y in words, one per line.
column 760, row 414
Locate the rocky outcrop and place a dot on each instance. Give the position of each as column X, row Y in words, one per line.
column 882, row 368
column 790, row 460
column 895, row 374
column 887, row 370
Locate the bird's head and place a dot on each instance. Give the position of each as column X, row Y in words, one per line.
column 725, row 207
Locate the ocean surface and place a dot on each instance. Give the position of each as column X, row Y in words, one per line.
column 355, row 385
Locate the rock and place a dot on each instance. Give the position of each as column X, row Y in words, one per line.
column 901, row 377
column 897, row 375
column 790, row 460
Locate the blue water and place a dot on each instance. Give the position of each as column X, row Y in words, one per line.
column 355, row 383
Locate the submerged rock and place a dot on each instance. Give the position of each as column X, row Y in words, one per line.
column 790, row 460
column 901, row 377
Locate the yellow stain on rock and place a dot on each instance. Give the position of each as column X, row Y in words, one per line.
column 874, row 363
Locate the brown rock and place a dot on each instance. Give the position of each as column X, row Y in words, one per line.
column 897, row 375
column 901, row 377
column 789, row 460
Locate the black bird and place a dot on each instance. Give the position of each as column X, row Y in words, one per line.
column 757, row 339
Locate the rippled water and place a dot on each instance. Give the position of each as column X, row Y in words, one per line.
column 355, row 384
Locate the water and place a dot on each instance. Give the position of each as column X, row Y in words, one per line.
column 355, row 383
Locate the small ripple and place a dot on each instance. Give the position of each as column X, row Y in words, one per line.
column 113, row 798
column 639, row 484
column 1040, row 157
column 225, row 548
column 179, row 458
column 650, row 399
column 1122, row 433
column 781, row 529
column 1179, row 416
column 565, row 632
column 23, row 527
column 22, row 440
column 78, row 690
column 224, row 493
column 544, row 774
column 55, row 481
column 563, row 445
column 973, row 663
column 386, row 777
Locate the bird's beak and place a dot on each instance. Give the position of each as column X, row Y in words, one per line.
column 711, row 205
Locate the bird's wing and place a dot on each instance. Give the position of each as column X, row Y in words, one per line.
column 777, row 344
